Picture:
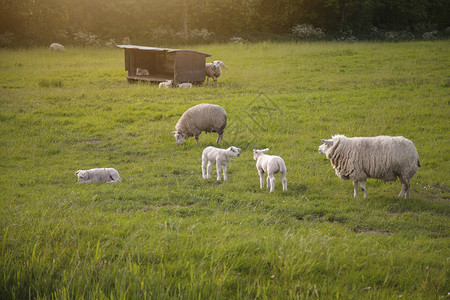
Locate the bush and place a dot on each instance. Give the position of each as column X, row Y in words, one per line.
column 238, row 40
column 7, row 39
column 307, row 32
column 86, row 39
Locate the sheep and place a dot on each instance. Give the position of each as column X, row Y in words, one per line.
column 270, row 164
column 221, row 157
column 214, row 70
column 201, row 117
column 99, row 174
column 142, row 72
column 57, row 47
column 166, row 84
column 381, row 157
column 185, row 85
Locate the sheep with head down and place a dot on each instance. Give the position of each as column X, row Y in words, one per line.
column 381, row 157
column 57, row 47
column 201, row 117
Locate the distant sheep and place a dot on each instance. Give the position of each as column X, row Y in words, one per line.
column 214, row 70
column 108, row 175
column 202, row 117
column 220, row 157
column 271, row 165
column 185, row 85
column 57, row 47
column 381, row 157
column 166, row 84
column 142, row 72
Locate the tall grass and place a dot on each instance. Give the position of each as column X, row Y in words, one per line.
column 165, row 232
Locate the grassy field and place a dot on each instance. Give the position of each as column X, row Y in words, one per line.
column 164, row 232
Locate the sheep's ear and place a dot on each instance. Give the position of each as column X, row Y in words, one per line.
column 223, row 65
column 329, row 143
column 76, row 173
column 173, row 132
column 264, row 150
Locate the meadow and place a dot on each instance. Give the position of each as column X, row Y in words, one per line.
column 164, row 232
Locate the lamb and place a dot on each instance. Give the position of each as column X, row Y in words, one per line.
column 201, row 117
column 142, row 72
column 57, row 47
column 214, row 70
column 166, row 84
column 185, row 85
column 221, row 157
column 271, row 165
column 381, row 157
column 108, row 175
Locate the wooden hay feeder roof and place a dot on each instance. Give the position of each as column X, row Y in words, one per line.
column 164, row 64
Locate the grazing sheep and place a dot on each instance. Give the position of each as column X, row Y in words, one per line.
column 381, row 157
column 202, row 117
column 221, row 157
column 185, row 85
column 100, row 175
column 142, row 72
column 166, row 84
column 57, row 47
column 271, row 165
column 214, row 70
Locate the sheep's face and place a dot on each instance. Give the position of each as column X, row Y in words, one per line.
column 82, row 175
column 179, row 137
column 234, row 151
column 327, row 144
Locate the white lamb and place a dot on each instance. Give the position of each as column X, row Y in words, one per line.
column 100, row 175
column 214, row 70
column 271, row 165
column 220, row 157
column 166, row 84
column 381, row 157
column 185, row 85
column 57, row 47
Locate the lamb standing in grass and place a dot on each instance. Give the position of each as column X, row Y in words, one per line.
column 220, row 157
column 100, row 175
column 57, row 47
column 166, row 84
column 185, row 85
column 214, row 70
column 381, row 157
column 202, row 117
column 271, row 165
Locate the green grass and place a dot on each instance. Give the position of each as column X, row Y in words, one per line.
column 165, row 232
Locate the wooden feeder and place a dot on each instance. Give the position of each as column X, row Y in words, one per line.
column 162, row 64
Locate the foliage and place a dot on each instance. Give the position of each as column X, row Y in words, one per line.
column 307, row 32
column 165, row 232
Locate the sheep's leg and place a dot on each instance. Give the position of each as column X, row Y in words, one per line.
column 215, row 80
column 225, row 172
column 204, row 174
column 405, row 188
column 261, row 179
column 196, row 139
column 355, row 188
column 208, row 170
column 272, row 182
column 363, row 187
column 284, row 181
column 219, row 138
column 218, row 170
column 268, row 181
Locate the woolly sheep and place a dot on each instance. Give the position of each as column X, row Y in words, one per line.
column 214, row 70
column 57, row 47
column 271, row 165
column 185, row 85
column 99, row 174
column 202, row 117
column 220, row 157
column 166, row 84
column 381, row 157
column 142, row 72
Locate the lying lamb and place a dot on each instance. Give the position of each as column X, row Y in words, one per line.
column 381, row 157
column 271, row 165
column 185, row 85
column 202, row 117
column 166, row 84
column 100, row 175
column 214, row 70
column 142, row 72
column 57, row 47
column 220, row 157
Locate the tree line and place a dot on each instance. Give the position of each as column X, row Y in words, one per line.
column 97, row 22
